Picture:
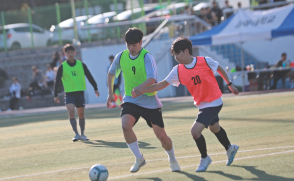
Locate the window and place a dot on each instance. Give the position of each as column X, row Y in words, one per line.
column 1, row 31
column 22, row 29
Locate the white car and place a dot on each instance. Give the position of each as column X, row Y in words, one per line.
column 19, row 36
column 95, row 23
column 67, row 30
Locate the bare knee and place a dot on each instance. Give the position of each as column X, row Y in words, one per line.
column 215, row 128
column 195, row 134
column 161, row 135
column 126, row 127
column 71, row 114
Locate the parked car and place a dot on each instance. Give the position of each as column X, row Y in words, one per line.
column 95, row 23
column 67, row 30
column 127, row 15
column 19, row 36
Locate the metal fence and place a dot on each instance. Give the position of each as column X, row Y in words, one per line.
column 55, row 24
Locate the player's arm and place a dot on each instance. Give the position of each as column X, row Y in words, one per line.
column 57, row 82
column 91, row 79
column 114, row 70
column 110, row 82
column 155, row 87
column 151, row 72
column 224, row 75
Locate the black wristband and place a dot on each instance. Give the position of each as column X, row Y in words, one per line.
column 229, row 83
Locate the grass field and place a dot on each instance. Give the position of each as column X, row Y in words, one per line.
column 39, row 147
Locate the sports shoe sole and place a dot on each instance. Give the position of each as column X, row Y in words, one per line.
column 144, row 163
column 74, row 140
column 233, row 155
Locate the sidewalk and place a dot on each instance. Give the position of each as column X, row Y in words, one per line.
column 45, row 110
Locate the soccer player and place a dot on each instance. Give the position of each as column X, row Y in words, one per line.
column 116, row 90
column 139, row 71
column 196, row 73
column 72, row 75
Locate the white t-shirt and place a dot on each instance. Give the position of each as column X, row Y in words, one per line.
column 173, row 79
column 50, row 75
column 15, row 88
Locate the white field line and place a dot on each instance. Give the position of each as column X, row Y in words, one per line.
column 56, row 171
column 222, row 161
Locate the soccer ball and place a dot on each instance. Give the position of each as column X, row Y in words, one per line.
column 98, row 173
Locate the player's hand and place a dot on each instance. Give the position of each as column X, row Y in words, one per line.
column 137, row 91
column 110, row 99
column 56, row 99
column 97, row 93
column 234, row 89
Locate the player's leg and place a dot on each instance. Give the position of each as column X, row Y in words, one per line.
column 204, row 119
column 222, row 137
column 129, row 117
column 205, row 160
column 167, row 145
column 128, row 122
column 80, row 104
column 71, row 112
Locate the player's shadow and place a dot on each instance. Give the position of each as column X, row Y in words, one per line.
column 110, row 144
column 233, row 177
column 262, row 175
column 192, row 176
column 152, row 178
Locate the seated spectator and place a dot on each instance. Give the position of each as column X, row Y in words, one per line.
column 217, row 11
column 211, row 17
column 50, row 77
column 56, row 61
column 3, row 77
column 62, row 56
column 228, row 10
column 239, row 5
column 37, row 85
column 253, row 85
column 202, row 14
column 280, row 74
column 15, row 90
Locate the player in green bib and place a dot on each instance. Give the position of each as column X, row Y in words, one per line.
column 71, row 73
column 139, row 71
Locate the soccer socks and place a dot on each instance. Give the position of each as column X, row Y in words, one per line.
column 82, row 125
column 223, row 138
column 73, row 123
column 200, row 142
column 171, row 154
column 135, row 149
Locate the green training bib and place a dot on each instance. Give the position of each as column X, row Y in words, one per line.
column 73, row 78
column 134, row 71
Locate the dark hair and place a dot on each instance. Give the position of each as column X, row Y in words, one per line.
column 133, row 36
column 34, row 67
column 284, row 54
column 68, row 47
column 56, row 54
column 181, row 44
column 111, row 57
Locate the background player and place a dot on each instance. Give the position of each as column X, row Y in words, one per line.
column 72, row 75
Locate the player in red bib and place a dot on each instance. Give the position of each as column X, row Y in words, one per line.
column 196, row 73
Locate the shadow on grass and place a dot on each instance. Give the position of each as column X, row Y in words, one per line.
column 110, row 144
column 154, row 178
column 262, row 175
column 192, row 176
column 93, row 113
column 234, row 119
column 233, row 177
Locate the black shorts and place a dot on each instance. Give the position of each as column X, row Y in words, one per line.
column 153, row 116
column 77, row 99
column 209, row 116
